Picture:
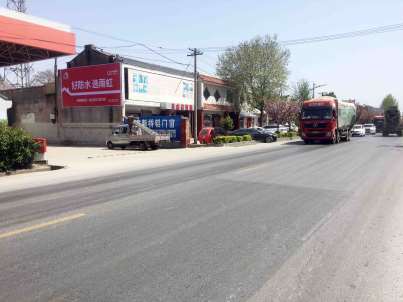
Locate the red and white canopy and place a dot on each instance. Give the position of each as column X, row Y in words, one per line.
column 24, row 38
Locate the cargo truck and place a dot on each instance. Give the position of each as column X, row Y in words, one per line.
column 135, row 134
column 392, row 123
column 326, row 120
column 379, row 121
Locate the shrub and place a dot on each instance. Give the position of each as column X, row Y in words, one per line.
column 247, row 138
column 17, row 148
column 231, row 139
column 289, row 135
column 227, row 123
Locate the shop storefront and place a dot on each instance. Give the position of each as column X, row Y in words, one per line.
column 156, row 90
column 216, row 102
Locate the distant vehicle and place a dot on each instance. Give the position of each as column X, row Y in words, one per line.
column 392, row 122
column 379, row 121
column 370, row 129
column 326, row 119
column 135, row 134
column 358, row 130
column 207, row 134
column 293, row 127
column 257, row 134
column 274, row 128
column 263, row 129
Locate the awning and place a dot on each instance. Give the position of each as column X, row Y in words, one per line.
column 25, row 38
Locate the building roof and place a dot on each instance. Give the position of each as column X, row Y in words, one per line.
column 24, row 38
column 156, row 67
column 3, row 97
column 213, row 80
column 103, row 57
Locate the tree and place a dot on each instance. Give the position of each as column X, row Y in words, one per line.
column 363, row 115
column 389, row 101
column 44, row 77
column 18, row 5
column 257, row 69
column 21, row 73
column 283, row 110
column 227, row 123
column 302, row 91
column 275, row 110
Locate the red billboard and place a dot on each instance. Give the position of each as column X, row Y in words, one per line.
column 91, row 86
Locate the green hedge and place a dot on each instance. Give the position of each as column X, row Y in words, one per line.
column 17, row 148
column 290, row 135
column 231, row 139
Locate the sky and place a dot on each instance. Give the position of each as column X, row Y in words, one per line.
column 364, row 68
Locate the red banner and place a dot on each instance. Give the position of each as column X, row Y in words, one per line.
column 91, row 86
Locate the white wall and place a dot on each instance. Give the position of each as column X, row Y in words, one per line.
column 4, row 105
column 158, row 88
column 71, row 133
column 212, row 89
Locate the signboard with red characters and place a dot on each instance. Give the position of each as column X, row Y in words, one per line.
column 91, row 86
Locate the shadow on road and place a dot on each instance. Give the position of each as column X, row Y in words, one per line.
column 294, row 143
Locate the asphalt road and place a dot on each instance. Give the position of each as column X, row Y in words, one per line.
column 293, row 223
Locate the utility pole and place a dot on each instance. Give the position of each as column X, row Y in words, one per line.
column 194, row 52
column 314, row 86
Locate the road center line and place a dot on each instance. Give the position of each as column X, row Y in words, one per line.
column 41, row 225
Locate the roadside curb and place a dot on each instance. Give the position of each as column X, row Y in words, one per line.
column 35, row 168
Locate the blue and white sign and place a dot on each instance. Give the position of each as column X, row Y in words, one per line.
column 163, row 124
column 140, row 83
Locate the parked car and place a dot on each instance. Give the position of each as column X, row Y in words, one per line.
column 370, row 129
column 257, row 134
column 358, row 130
column 207, row 134
column 274, row 127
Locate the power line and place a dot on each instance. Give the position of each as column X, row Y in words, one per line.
column 151, row 60
column 316, row 39
column 351, row 34
column 126, row 41
column 207, row 63
column 159, row 48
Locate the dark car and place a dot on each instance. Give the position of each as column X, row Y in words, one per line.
column 257, row 134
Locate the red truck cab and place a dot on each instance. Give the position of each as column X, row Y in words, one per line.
column 326, row 119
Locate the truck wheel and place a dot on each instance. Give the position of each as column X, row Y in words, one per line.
column 155, row 146
column 384, row 133
column 399, row 133
column 334, row 139
column 110, row 145
column 122, row 147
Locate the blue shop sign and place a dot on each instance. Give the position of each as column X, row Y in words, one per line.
column 163, row 124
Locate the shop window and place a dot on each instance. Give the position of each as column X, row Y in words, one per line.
column 217, row 95
column 206, row 93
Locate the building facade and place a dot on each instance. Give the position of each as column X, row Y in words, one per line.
column 98, row 90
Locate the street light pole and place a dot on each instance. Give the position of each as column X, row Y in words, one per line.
column 194, row 52
column 314, row 86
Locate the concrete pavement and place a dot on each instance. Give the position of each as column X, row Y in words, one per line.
column 89, row 162
column 289, row 223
